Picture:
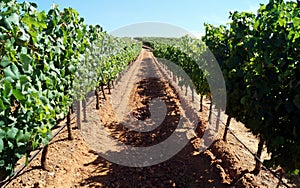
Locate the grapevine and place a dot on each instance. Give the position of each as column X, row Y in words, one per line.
column 45, row 64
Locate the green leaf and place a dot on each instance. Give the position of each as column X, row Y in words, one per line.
column 18, row 94
column 24, row 79
column 24, row 37
column 16, row 71
column 26, row 63
column 7, row 24
column 26, row 160
column 34, row 5
column 2, row 107
column 5, row 62
column 35, row 144
column 295, row 172
column 9, row 79
column 1, row 145
column 23, row 137
column 2, row 4
column 281, row 22
column 9, row 73
column 44, row 99
column 42, row 16
column 7, row 89
column 12, row 72
column 2, row 163
column 25, row 58
column 11, row 133
column 14, row 18
column 296, row 21
column 256, row 24
column 2, row 132
column 19, row 154
column 72, row 68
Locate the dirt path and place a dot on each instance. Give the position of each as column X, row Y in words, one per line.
column 77, row 163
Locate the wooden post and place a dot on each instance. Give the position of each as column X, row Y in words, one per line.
column 193, row 95
column 210, row 109
column 218, row 120
column 44, row 157
column 108, row 86
column 226, row 128
column 78, row 113
column 70, row 136
column 72, row 109
column 112, row 84
column 281, row 173
column 84, row 110
column 102, row 89
column 97, row 99
column 174, row 78
column 186, row 90
column 258, row 154
column 201, row 103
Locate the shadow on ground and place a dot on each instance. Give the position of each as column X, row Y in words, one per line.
column 188, row 168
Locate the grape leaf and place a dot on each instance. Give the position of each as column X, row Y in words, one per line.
column 11, row 133
column 18, row 94
column 1, row 145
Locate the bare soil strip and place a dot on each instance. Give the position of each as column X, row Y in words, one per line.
column 76, row 164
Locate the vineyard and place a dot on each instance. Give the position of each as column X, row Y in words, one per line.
column 46, row 61
column 52, row 64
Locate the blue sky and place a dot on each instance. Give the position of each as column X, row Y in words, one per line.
column 189, row 14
